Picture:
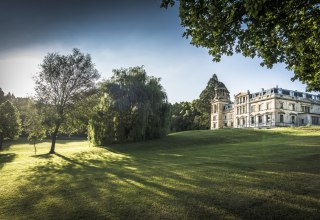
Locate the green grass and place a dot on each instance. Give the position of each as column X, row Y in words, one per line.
column 224, row 174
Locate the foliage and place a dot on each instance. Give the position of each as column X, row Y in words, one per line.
column 204, row 102
column 9, row 97
column 10, row 123
column 133, row 107
column 77, row 120
column 61, row 80
column 2, row 96
column 284, row 31
column 184, row 116
column 206, row 96
column 25, row 107
column 34, row 126
column 194, row 115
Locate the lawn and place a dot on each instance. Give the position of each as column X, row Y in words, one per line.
column 223, row 174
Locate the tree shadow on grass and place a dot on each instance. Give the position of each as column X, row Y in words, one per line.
column 6, row 158
column 43, row 156
column 103, row 185
column 210, row 183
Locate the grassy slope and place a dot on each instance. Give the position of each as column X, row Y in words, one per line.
column 229, row 174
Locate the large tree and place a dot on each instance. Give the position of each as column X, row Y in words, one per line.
column 207, row 94
column 278, row 31
column 61, row 79
column 133, row 107
column 10, row 124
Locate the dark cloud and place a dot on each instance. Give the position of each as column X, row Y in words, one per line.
column 26, row 22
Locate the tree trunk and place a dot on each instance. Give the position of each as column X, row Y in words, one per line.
column 53, row 138
column 35, row 148
column 1, row 142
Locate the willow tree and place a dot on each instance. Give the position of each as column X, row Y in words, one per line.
column 277, row 31
column 133, row 107
column 61, row 79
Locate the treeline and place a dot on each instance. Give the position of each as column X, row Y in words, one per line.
column 129, row 106
column 194, row 115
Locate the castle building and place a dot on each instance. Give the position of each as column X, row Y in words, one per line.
column 275, row 107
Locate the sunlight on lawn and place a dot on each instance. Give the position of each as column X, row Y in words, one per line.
column 230, row 174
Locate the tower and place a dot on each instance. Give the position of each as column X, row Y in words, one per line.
column 218, row 103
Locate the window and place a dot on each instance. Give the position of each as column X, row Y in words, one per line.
column 214, row 118
column 291, row 93
column 293, row 119
column 260, row 119
column 281, row 105
column 252, row 108
column 225, row 117
column 214, row 108
column 225, row 124
column 214, row 125
column 267, row 118
column 315, row 120
column 238, row 121
column 243, row 121
column 252, row 120
column 268, row 106
column 243, row 109
column 281, row 119
column 292, row 107
column 305, row 109
column 260, row 107
column 302, row 121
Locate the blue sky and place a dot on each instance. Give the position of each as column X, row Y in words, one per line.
column 119, row 34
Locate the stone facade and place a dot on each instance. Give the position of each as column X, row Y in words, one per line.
column 275, row 107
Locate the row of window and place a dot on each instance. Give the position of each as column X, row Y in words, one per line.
column 268, row 119
column 314, row 119
column 243, row 109
column 242, row 99
column 265, row 106
column 292, row 107
column 214, row 118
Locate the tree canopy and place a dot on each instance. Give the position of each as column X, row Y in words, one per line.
column 196, row 114
column 278, row 31
column 61, row 79
column 133, row 107
column 8, row 97
column 34, row 126
column 10, row 124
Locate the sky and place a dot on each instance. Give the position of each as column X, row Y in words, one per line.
column 122, row 33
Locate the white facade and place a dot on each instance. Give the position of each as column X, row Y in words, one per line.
column 274, row 107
